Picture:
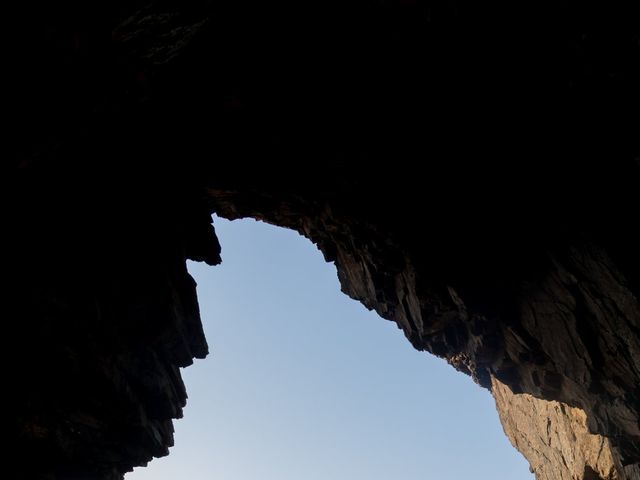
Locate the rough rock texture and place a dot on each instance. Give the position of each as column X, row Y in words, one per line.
column 471, row 167
column 555, row 439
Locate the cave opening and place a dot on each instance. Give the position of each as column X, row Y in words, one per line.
column 303, row 382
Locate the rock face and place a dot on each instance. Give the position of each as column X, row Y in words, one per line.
column 471, row 169
column 554, row 437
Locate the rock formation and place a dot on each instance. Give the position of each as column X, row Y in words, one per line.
column 554, row 437
column 471, row 169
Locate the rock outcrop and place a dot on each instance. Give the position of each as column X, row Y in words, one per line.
column 554, row 437
column 471, row 169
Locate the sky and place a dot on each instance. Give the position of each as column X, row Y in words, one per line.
column 303, row 383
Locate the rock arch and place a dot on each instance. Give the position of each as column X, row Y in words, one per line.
column 403, row 138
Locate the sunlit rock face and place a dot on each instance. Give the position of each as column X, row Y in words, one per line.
column 556, row 440
column 471, row 169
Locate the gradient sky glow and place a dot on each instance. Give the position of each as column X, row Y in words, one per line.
column 303, row 383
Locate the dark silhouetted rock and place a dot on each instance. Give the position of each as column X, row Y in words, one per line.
column 471, row 168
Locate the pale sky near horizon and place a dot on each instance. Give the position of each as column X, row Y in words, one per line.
column 303, row 383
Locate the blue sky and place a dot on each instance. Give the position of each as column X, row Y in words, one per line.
column 303, row 383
